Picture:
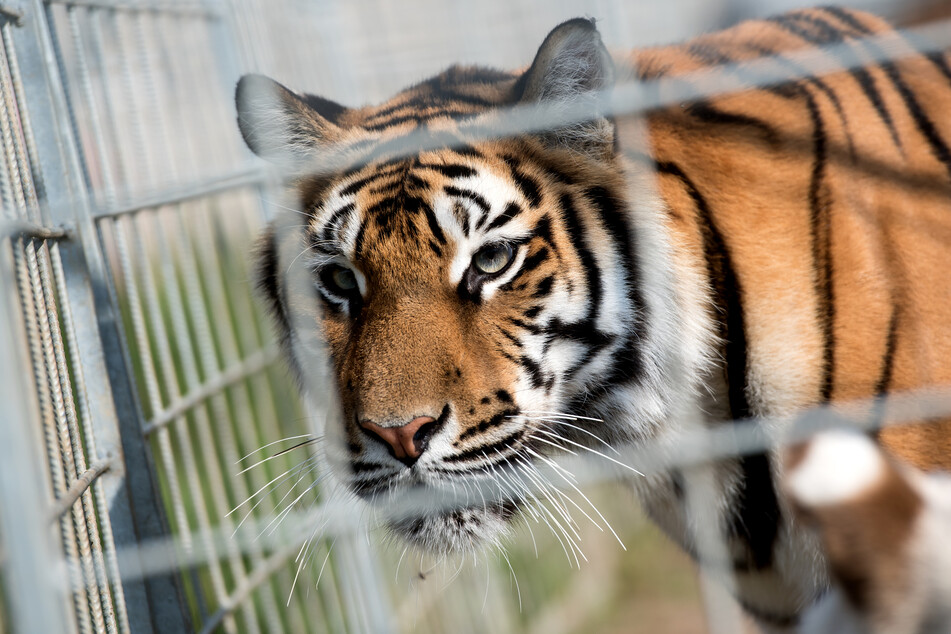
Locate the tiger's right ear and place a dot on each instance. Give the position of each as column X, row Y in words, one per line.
column 282, row 127
column 573, row 67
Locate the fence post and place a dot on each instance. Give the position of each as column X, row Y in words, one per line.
column 134, row 503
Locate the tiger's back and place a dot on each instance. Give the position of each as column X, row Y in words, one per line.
column 826, row 203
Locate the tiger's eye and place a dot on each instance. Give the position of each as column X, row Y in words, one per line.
column 493, row 258
column 343, row 279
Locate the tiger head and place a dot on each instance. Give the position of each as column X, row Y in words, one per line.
column 478, row 294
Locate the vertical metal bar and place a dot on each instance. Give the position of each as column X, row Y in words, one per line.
column 153, row 393
column 91, row 562
column 35, row 600
column 246, row 409
column 109, row 565
column 13, row 190
column 166, row 368
column 704, row 518
column 133, row 498
column 201, row 419
column 149, row 46
column 32, row 155
column 107, row 190
column 52, row 402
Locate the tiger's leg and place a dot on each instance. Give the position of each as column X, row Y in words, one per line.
column 885, row 529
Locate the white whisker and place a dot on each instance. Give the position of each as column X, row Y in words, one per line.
column 589, row 449
column 262, row 448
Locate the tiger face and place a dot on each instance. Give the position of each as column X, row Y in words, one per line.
column 476, row 296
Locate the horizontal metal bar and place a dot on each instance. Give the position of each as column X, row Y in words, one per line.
column 27, row 229
column 195, row 7
column 235, row 180
column 79, row 486
column 251, row 365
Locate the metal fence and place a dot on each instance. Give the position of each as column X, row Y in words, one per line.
column 138, row 378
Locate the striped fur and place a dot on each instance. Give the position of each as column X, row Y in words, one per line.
column 792, row 252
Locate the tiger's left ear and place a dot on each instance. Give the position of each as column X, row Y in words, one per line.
column 283, row 127
column 573, row 67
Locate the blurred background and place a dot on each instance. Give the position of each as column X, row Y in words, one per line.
column 139, row 379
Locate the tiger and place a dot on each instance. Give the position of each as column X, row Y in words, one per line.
column 493, row 297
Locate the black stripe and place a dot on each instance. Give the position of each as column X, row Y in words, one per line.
column 361, row 466
column 358, row 242
column 359, row 184
column 468, row 100
column 487, row 424
column 449, row 170
column 484, row 450
column 529, row 187
column 468, row 194
column 811, row 81
column 542, row 229
column 433, row 224
column 829, row 34
column 821, row 235
column 535, row 374
column 532, row 313
column 534, row 260
column 544, row 287
column 924, row 123
column 848, row 18
column 388, row 110
column 511, row 210
column 270, row 284
column 524, row 325
column 941, row 63
column 584, row 332
column 466, row 150
column 393, row 122
column 327, row 233
column 888, row 360
column 628, row 363
column 885, row 375
column 757, row 516
column 704, row 111
column 576, row 235
column 513, row 339
column 462, row 216
column 709, row 54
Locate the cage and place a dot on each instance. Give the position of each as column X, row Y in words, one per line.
column 158, row 472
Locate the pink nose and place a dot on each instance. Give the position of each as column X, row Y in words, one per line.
column 409, row 441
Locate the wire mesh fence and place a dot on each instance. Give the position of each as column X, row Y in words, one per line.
column 157, row 469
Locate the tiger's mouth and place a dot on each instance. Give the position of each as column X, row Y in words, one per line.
column 457, row 530
column 446, row 516
column 446, row 505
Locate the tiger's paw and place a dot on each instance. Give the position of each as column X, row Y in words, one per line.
column 885, row 530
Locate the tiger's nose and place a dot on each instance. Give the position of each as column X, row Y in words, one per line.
column 406, row 442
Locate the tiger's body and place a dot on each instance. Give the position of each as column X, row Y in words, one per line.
column 789, row 254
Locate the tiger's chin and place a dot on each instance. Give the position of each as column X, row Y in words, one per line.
column 457, row 531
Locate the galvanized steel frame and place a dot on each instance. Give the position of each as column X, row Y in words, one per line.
column 121, row 469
